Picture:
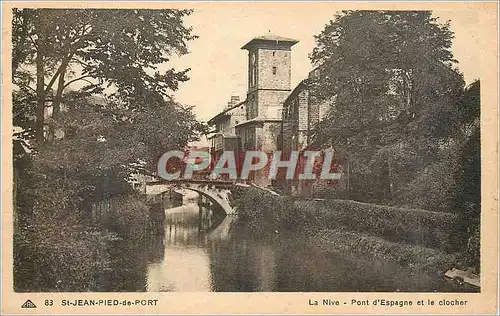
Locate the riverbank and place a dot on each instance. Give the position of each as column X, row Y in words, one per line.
column 415, row 239
column 89, row 251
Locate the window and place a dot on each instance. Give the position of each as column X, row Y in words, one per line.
column 274, row 54
column 274, row 70
column 253, row 69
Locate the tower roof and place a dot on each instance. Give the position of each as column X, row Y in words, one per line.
column 270, row 39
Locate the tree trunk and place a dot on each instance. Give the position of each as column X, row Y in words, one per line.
column 58, row 98
column 56, row 104
column 40, row 87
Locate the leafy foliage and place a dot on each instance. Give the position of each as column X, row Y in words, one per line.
column 394, row 91
column 80, row 156
column 400, row 114
column 116, row 49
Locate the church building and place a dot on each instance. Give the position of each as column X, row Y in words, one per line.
column 269, row 82
column 275, row 116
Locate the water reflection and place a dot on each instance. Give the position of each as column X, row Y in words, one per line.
column 186, row 265
column 185, row 270
column 204, row 251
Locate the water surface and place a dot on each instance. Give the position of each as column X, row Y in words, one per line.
column 205, row 251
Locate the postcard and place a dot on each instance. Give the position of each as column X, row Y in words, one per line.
column 249, row 157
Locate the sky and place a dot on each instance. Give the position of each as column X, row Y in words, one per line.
column 219, row 65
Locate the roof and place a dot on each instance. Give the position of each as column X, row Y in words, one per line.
column 225, row 135
column 259, row 120
column 299, row 88
column 221, row 114
column 270, row 38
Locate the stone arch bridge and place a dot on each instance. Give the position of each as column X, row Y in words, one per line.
column 218, row 192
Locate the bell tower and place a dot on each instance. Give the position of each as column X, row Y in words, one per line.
column 269, row 81
column 269, row 74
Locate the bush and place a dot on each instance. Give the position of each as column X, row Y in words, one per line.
column 419, row 227
column 433, row 189
column 68, row 253
column 473, row 252
column 410, row 256
column 335, row 193
column 128, row 216
column 52, row 256
column 264, row 213
column 260, row 211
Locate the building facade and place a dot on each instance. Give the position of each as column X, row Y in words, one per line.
column 223, row 137
column 224, row 134
column 269, row 82
column 273, row 116
column 301, row 113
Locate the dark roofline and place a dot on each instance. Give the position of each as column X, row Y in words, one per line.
column 216, row 118
column 301, row 86
column 213, row 119
column 259, row 120
column 278, row 40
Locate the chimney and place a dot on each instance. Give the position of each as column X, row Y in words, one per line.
column 235, row 99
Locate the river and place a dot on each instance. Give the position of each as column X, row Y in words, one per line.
column 206, row 251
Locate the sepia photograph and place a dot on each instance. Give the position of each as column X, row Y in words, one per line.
column 238, row 148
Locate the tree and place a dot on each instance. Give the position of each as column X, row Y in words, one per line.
column 116, row 123
column 452, row 181
column 392, row 78
column 116, row 49
column 467, row 202
column 103, row 48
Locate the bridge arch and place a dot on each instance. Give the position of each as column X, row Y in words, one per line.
column 219, row 194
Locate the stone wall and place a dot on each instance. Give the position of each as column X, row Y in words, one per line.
column 303, row 119
column 270, row 103
column 296, row 121
column 267, row 136
column 237, row 116
column 252, row 108
column 301, row 112
column 274, row 78
column 246, row 134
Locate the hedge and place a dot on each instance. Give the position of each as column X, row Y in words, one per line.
column 263, row 213
column 413, row 226
column 411, row 256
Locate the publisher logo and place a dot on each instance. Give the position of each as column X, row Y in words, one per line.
column 28, row 304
